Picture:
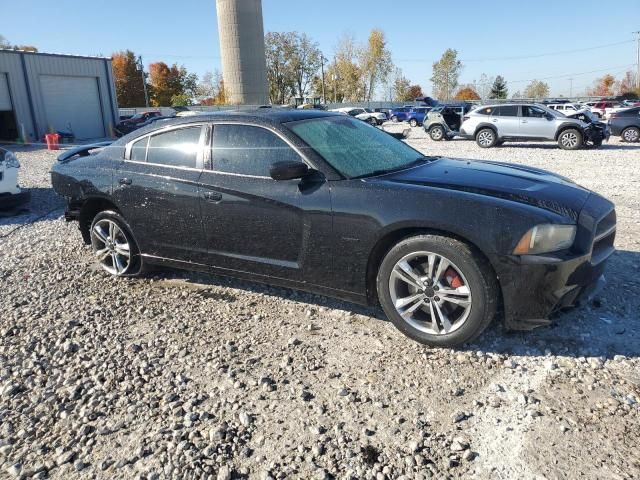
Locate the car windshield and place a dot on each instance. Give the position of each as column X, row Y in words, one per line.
column 354, row 148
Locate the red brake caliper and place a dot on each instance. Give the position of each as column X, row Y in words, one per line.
column 453, row 279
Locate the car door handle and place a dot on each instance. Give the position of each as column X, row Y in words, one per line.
column 495, row 120
column 524, row 121
column 125, row 181
column 212, row 196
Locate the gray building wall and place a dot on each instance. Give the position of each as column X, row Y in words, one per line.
column 24, row 70
column 244, row 66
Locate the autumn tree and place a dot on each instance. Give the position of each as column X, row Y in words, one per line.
column 375, row 61
column 127, row 79
column 536, row 89
column 499, row 88
column 171, row 86
column 467, row 92
column 446, row 72
column 415, row 91
column 210, row 90
column 628, row 84
column 349, row 73
column 4, row 43
column 603, row 87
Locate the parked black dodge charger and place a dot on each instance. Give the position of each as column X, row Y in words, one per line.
column 329, row 204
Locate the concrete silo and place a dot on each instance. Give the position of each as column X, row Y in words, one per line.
column 244, row 66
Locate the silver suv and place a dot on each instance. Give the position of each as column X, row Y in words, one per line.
column 492, row 125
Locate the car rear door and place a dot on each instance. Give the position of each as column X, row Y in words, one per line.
column 255, row 224
column 156, row 190
column 505, row 118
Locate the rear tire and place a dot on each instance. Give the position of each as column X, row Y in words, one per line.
column 631, row 134
column 455, row 322
column 394, row 119
column 373, row 121
column 413, row 122
column 486, row 138
column 114, row 246
column 570, row 139
column 436, row 133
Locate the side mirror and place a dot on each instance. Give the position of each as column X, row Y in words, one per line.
column 288, row 170
column 548, row 116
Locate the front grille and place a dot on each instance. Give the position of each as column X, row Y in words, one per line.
column 596, row 229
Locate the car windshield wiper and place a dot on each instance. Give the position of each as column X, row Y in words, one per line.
column 416, row 162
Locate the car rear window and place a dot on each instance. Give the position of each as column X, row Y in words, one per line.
column 485, row 111
column 507, row 111
column 175, row 148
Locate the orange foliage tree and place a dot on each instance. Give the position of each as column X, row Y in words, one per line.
column 467, row 93
column 128, row 80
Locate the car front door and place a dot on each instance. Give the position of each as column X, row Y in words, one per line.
column 156, row 190
column 536, row 123
column 505, row 118
column 258, row 225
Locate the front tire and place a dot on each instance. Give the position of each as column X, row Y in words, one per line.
column 436, row 133
column 486, row 138
column 631, row 134
column 114, row 246
column 437, row 290
column 394, row 119
column 372, row 121
column 570, row 139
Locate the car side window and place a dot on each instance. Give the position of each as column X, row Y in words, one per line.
column 175, row 148
column 139, row 150
column 508, row 111
column 532, row 112
column 248, row 150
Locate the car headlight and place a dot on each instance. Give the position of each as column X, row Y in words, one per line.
column 546, row 239
column 11, row 161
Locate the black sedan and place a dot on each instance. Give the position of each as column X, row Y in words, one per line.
column 626, row 124
column 326, row 203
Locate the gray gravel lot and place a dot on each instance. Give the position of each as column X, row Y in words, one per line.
column 182, row 375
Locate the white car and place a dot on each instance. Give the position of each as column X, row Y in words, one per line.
column 566, row 108
column 10, row 194
column 364, row 114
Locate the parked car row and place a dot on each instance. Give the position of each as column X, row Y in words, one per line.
column 492, row 125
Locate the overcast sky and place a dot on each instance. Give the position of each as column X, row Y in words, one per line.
column 579, row 39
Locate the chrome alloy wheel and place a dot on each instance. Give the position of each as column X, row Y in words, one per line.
column 569, row 140
column 631, row 135
column 437, row 133
column 485, row 138
column 430, row 293
column 111, row 247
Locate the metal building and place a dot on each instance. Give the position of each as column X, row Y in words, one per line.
column 46, row 92
column 244, row 65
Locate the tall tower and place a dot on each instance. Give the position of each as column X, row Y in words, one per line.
column 244, row 66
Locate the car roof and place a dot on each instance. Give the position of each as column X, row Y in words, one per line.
column 264, row 116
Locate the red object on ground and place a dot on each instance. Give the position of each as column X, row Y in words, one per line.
column 52, row 140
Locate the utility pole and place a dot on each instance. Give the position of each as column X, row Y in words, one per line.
column 570, row 87
column 335, row 80
column 324, row 97
column 140, row 68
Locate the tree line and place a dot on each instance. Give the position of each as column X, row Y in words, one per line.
column 354, row 72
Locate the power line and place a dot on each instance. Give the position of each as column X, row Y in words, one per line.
column 566, row 75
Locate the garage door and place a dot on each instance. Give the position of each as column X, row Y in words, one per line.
column 5, row 98
column 73, row 104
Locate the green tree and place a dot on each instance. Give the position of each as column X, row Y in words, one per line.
column 279, row 51
column 127, row 79
column 376, row 63
column 304, row 62
column 446, row 72
column 536, row 89
column 499, row 88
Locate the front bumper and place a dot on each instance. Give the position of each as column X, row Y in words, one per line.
column 534, row 287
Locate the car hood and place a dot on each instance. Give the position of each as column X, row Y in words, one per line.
column 518, row 183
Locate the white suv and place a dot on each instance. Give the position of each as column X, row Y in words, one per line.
column 566, row 108
column 10, row 194
column 364, row 114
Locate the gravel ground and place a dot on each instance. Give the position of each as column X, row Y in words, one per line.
column 182, row 375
